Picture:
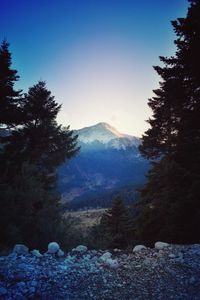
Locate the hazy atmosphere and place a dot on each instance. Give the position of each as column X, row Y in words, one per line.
column 96, row 56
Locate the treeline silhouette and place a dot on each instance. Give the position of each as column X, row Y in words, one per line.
column 170, row 201
column 32, row 146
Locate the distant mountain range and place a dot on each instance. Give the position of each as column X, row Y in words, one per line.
column 108, row 161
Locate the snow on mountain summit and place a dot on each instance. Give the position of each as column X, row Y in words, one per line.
column 101, row 132
column 104, row 133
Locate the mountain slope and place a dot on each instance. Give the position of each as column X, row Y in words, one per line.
column 104, row 133
column 108, row 160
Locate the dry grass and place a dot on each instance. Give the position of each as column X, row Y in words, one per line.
column 87, row 218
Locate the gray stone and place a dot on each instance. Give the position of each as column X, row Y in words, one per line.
column 60, row 253
column 108, row 261
column 112, row 263
column 36, row 253
column 20, row 249
column 138, row 248
column 171, row 255
column 53, row 247
column 161, row 245
column 105, row 256
column 81, row 249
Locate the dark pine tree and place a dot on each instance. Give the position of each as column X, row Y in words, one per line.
column 41, row 141
column 32, row 215
column 31, row 209
column 9, row 97
column 120, row 224
column 170, row 206
column 116, row 227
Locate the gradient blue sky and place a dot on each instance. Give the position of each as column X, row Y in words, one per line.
column 96, row 56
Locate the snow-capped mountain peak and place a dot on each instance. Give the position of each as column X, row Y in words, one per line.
column 104, row 133
column 107, row 161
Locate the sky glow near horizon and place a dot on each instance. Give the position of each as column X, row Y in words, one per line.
column 95, row 56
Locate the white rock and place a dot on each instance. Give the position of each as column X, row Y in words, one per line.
column 112, row 263
column 138, row 248
column 81, row 248
column 36, row 253
column 20, row 249
column 60, row 253
column 171, row 255
column 105, row 256
column 108, row 261
column 161, row 245
column 53, row 247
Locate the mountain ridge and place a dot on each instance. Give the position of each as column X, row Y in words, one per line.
column 108, row 161
column 105, row 133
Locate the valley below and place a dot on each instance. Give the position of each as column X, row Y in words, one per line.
column 86, row 218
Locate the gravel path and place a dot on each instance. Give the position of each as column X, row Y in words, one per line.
column 171, row 273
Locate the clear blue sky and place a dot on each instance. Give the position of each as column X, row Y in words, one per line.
column 96, row 56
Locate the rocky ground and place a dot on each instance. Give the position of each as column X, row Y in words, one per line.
column 171, row 272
